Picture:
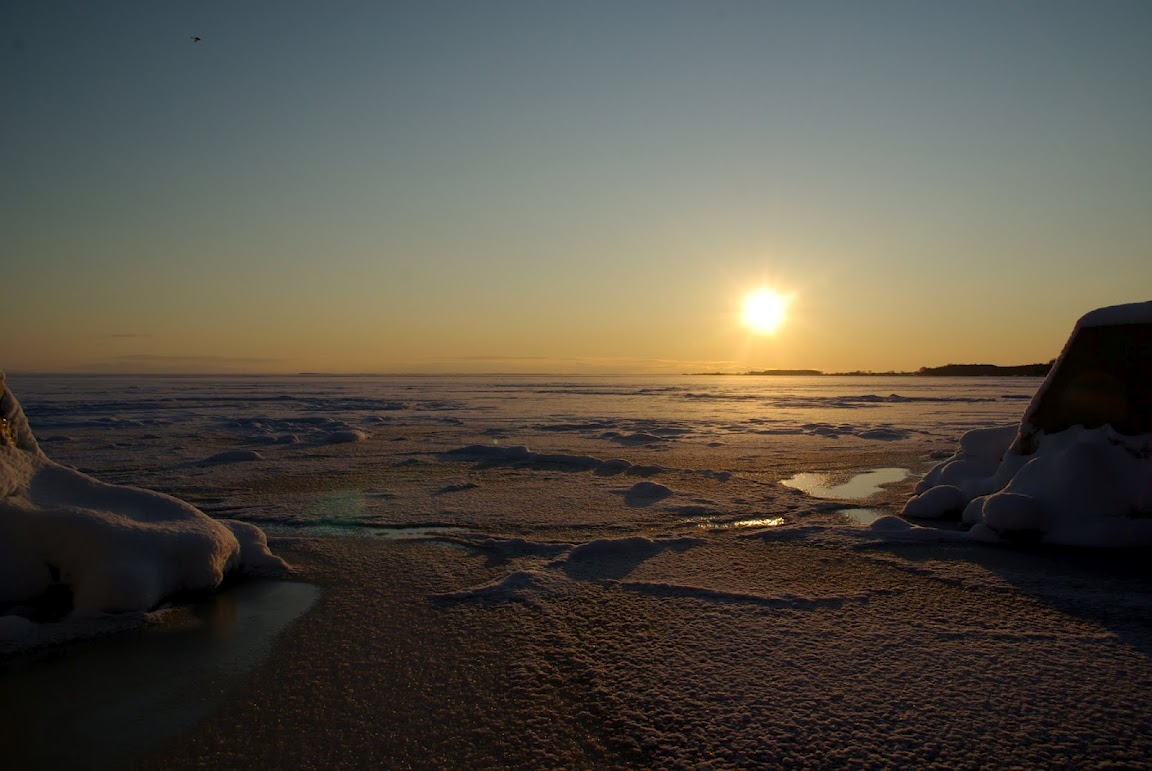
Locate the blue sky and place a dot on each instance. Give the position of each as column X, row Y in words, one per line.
column 462, row 186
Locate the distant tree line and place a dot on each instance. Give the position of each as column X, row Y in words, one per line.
column 948, row 370
column 786, row 372
column 971, row 370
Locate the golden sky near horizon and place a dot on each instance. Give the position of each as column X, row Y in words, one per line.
column 584, row 188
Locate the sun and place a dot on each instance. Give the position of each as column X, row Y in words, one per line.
column 765, row 310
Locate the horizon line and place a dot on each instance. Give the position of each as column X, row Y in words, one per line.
column 782, row 372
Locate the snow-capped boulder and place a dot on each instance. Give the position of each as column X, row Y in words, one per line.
column 118, row 548
column 1078, row 469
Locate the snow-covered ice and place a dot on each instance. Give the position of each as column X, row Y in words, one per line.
column 608, row 571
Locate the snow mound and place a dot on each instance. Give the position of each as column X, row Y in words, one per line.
column 15, row 629
column 936, row 502
column 234, row 456
column 969, row 469
column 614, row 558
column 786, row 601
column 519, row 454
column 118, row 548
column 890, row 524
column 456, row 487
column 491, row 452
column 634, row 439
column 1078, row 470
column 612, row 548
column 507, row 548
column 884, row 434
column 521, row 585
column 647, row 492
column 614, row 466
column 255, row 557
column 347, row 436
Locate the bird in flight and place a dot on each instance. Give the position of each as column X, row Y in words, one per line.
column 195, row 39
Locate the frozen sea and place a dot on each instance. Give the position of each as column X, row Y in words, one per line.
column 311, row 450
column 556, row 571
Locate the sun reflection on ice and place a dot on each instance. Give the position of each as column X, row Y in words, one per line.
column 859, row 486
column 711, row 524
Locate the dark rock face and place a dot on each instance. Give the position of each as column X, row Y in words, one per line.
column 1105, row 377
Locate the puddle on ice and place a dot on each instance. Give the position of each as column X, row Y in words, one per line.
column 861, row 516
column 115, row 698
column 368, row 530
column 863, row 485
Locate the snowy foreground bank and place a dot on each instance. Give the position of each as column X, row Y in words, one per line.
column 115, row 548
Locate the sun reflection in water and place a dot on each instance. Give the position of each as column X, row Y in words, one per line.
column 712, row 524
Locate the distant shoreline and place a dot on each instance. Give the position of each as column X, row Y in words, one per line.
column 948, row 370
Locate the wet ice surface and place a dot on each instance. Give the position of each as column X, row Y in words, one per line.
column 108, row 700
column 860, row 516
column 857, row 487
column 639, row 532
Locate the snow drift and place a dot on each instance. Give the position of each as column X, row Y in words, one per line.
column 118, row 548
column 1078, row 469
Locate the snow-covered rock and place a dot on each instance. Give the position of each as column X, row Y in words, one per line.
column 1078, row 470
column 118, row 548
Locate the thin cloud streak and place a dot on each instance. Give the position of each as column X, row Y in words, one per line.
column 586, row 365
column 150, row 363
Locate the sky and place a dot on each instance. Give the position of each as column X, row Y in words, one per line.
column 566, row 187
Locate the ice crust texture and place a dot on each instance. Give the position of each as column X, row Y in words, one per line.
column 118, row 548
column 1085, row 485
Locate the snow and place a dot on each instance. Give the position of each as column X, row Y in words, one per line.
column 234, row 456
column 16, row 628
column 1081, row 486
column 491, row 565
column 647, row 491
column 936, row 501
column 118, row 548
column 978, row 457
column 1131, row 313
column 607, row 550
column 520, row 585
column 346, row 436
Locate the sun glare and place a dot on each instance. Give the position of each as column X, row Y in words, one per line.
column 765, row 311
